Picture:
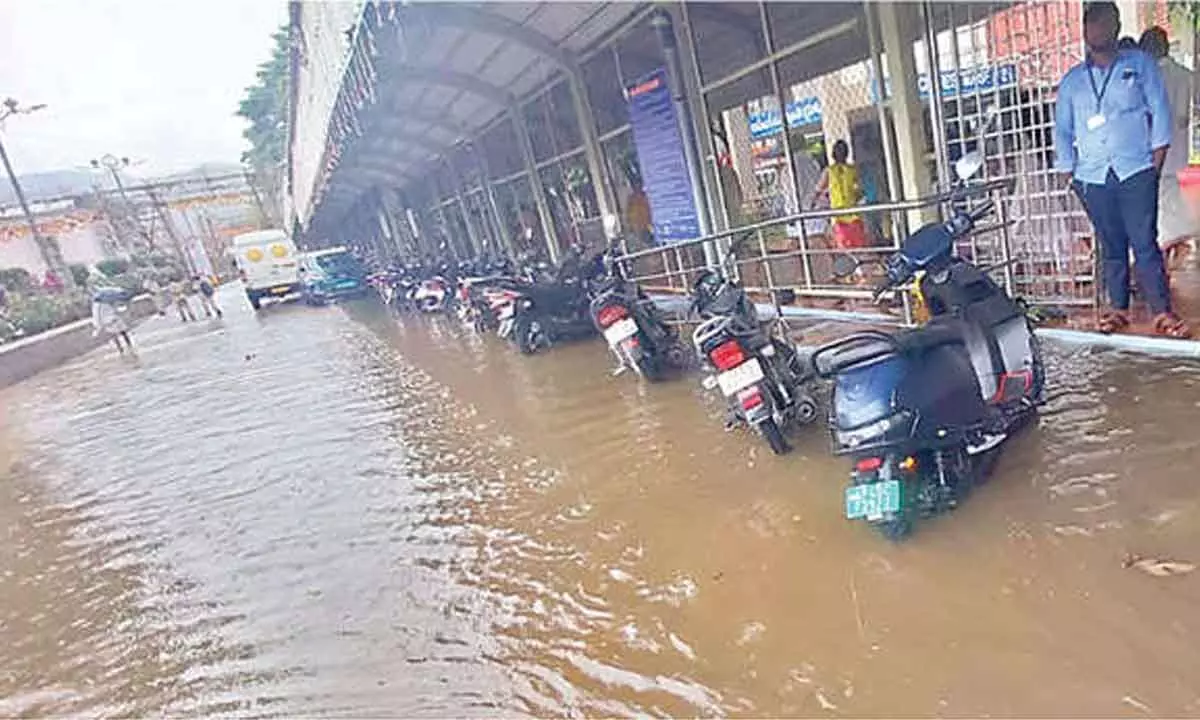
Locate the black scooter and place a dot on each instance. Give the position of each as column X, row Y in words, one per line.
column 636, row 333
column 765, row 381
column 922, row 413
column 543, row 314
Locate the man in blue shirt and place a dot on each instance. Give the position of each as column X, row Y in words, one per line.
column 1112, row 127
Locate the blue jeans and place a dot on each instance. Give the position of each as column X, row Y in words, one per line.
column 1125, row 216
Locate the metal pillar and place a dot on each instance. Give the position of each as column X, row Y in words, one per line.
column 535, row 181
column 591, row 143
column 894, row 23
column 661, row 22
column 881, row 105
column 716, row 194
column 937, row 112
column 493, row 205
column 472, row 237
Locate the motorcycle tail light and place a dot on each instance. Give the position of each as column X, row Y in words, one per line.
column 750, row 398
column 870, row 464
column 727, row 355
column 610, row 314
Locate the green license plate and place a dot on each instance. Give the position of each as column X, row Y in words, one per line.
column 873, row 501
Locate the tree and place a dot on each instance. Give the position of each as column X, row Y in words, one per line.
column 265, row 106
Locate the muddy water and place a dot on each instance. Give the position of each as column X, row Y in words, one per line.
column 329, row 512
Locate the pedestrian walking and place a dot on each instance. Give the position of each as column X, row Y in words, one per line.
column 181, row 291
column 207, row 291
column 1112, row 128
column 158, row 294
column 1174, row 224
column 108, row 320
column 841, row 181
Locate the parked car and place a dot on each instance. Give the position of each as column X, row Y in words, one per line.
column 329, row 274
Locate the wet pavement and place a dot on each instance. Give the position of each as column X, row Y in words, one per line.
column 331, row 511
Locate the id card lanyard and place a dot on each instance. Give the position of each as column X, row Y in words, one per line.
column 1099, row 93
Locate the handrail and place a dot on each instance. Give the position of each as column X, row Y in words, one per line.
column 825, row 214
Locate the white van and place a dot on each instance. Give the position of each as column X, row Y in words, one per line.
column 266, row 262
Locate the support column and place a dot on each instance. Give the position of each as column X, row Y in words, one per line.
column 472, row 236
column 897, row 22
column 535, row 181
column 592, row 152
column 661, row 21
column 493, row 205
column 885, row 128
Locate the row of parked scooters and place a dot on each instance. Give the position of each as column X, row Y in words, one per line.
column 921, row 413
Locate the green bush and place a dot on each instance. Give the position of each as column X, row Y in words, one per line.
column 16, row 280
column 80, row 273
column 113, row 268
column 33, row 314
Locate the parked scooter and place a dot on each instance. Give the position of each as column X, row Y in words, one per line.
column 634, row 328
column 765, row 381
column 543, row 313
column 923, row 413
column 434, row 294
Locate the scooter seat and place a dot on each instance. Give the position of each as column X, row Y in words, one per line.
column 936, row 334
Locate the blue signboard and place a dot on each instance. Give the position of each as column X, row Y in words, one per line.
column 971, row 80
column 965, row 81
column 665, row 176
column 805, row 111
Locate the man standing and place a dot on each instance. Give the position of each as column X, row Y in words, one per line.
column 207, row 291
column 1112, row 128
column 1173, row 215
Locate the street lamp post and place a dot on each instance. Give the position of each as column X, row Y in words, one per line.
column 49, row 251
column 113, row 165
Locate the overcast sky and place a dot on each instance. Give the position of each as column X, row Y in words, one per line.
column 155, row 80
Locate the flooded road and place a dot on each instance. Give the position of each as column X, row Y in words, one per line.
column 334, row 512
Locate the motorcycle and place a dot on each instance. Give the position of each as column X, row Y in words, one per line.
column 923, row 413
column 538, row 314
column 765, row 381
column 433, row 294
column 634, row 328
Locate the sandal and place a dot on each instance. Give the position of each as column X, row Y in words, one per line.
column 1112, row 321
column 1170, row 325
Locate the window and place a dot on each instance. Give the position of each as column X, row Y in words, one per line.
column 538, row 126
column 564, row 124
column 727, row 36
column 500, row 147
column 605, row 93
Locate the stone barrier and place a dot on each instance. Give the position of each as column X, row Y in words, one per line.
column 29, row 356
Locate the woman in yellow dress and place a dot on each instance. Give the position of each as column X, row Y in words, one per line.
column 840, row 180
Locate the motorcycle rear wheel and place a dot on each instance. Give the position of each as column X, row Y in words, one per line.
column 771, row 432
column 528, row 335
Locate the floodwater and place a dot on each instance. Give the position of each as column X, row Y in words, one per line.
column 333, row 512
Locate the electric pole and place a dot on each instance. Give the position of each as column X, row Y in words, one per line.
column 47, row 247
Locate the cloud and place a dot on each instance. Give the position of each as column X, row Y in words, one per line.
column 154, row 80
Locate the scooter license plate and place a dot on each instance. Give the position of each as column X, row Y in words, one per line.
column 872, row 500
column 620, row 330
column 741, row 377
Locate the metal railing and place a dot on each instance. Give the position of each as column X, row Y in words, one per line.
column 803, row 269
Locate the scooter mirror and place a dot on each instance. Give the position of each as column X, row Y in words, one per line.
column 844, row 265
column 969, row 165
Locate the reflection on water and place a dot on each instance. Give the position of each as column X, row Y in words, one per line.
column 331, row 512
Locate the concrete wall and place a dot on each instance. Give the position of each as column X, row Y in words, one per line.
column 83, row 245
column 29, row 356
